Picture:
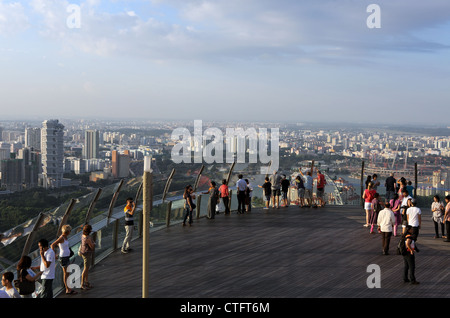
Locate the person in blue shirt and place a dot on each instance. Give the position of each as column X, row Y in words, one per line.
column 241, row 186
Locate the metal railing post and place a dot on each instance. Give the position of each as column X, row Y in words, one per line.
column 30, row 238
column 148, row 202
column 115, row 237
column 66, row 216
column 91, row 206
column 168, row 213
column 114, row 199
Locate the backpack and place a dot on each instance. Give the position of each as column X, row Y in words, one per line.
column 377, row 207
column 401, row 247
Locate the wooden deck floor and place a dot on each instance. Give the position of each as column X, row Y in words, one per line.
column 277, row 253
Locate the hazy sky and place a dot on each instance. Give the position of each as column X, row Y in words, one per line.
column 297, row 60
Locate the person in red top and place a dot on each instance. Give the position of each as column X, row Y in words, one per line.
column 368, row 196
column 225, row 195
column 321, row 182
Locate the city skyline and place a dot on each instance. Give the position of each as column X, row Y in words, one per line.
column 298, row 61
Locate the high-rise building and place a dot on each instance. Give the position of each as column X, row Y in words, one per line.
column 52, row 148
column 120, row 164
column 91, row 144
column 32, row 165
column 33, row 138
column 12, row 174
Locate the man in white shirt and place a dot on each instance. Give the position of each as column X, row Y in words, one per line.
column 404, row 206
column 414, row 218
column 385, row 221
column 47, row 268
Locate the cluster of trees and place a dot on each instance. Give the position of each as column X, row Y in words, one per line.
column 18, row 207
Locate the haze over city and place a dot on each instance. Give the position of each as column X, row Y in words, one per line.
column 226, row 60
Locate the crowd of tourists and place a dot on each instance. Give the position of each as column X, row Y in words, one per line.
column 398, row 215
column 37, row 281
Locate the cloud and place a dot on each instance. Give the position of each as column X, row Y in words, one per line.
column 314, row 31
column 13, row 19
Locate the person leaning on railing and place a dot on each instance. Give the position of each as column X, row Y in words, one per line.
column 87, row 248
column 25, row 273
column 129, row 224
column 64, row 254
column 189, row 205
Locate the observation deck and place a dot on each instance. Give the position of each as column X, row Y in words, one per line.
column 289, row 252
column 277, row 253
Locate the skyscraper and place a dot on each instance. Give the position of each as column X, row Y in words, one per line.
column 52, row 147
column 120, row 164
column 91, row 144
column 33, row 138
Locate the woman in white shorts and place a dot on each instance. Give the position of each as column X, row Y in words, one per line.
column 368, row 196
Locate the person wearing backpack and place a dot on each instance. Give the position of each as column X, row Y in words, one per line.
column 368, row 196
column 376, row 208
column 409, row 259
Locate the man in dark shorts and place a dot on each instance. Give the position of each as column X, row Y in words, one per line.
column 285, row 190
column 267, row 191
column 275, row 180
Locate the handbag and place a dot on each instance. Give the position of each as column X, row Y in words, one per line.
column 24, row 287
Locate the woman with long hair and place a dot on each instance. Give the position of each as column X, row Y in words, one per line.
column 64, row 254
column 368, row 196
column 437, row 209
column 189, row 204
column 395, row 206
column 25, row 272
column 86, row 250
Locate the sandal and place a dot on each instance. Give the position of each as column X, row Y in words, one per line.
column 72, row 292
